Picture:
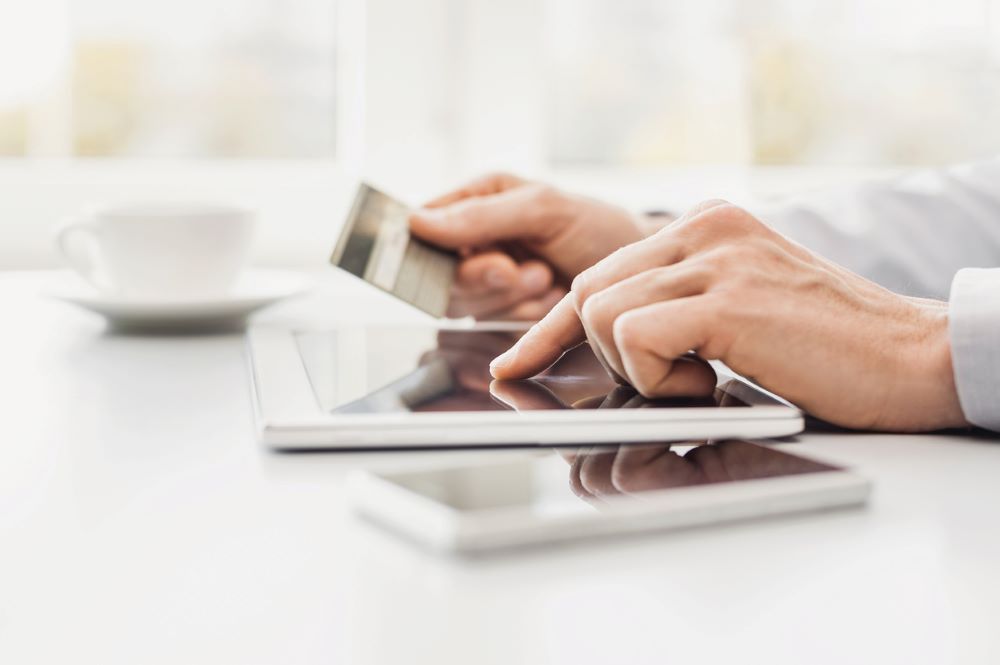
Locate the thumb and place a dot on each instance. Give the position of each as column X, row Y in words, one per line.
column 509, row 215
column 543, row 344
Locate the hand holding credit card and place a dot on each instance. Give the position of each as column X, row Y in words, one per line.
column 376, row 245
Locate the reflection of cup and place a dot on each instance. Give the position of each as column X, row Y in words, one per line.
column 159, row 252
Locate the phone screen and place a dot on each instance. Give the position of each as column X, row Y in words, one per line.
column 581, row 479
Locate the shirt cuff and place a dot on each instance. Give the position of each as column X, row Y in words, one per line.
column 974, row 329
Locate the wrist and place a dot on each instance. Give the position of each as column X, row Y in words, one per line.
column 940, row 400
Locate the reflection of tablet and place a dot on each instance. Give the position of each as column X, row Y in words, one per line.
column 383, row 387
column 599, row 491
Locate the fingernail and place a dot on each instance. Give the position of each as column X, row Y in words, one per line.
column 496, row 278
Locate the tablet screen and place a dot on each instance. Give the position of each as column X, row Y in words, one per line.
column 392, row 369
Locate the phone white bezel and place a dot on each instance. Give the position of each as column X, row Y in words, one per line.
column 288, row 417
column 418, row 517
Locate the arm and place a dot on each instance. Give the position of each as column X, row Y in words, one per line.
column 913, row 236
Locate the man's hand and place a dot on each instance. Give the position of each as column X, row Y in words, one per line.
column 522, row 243
column 723, row 284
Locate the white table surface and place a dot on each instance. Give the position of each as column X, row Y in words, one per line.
column 141, row 523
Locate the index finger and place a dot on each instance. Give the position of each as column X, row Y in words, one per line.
column 543, row 344
column 513, row 214
column 492, row 183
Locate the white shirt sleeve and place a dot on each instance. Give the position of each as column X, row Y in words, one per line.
column 910, row 235
column 914, row 236
column 974, row 328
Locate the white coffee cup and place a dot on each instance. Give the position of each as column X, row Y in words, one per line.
column 159, row 251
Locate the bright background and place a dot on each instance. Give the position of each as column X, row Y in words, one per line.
column 282, row 104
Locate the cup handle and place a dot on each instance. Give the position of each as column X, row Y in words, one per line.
column 81, row 258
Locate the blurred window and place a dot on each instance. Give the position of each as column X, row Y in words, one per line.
column 649, row 82
column 630, row 83
column 185, row 78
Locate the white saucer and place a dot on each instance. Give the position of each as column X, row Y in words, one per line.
column 254, row 290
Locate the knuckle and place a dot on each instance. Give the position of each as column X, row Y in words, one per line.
column 731, row 219
column 667, row 279
column 711, row 206
column 625, row 481
column 549, row 199
column 503, row 179
column 593, row 313
column 719, row 260
column 544, row 191
column 627, row 332
column 672, row 247
column 581, row 289
column 742, row 253
column 592, row 483
column 643, row 388
column 697, row 273
column 741, row 284
column 579, row 300
column 701, row 222
column 734, row 257
column 746, row 222
column 645, row 385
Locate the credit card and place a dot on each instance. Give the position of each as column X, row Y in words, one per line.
column 376, row 245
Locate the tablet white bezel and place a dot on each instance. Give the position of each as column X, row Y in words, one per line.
column 418, row 517
column 287, row 415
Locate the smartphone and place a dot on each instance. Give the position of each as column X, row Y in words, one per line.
column 601, row 491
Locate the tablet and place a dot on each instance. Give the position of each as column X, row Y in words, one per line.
column 599, row 492
column 430, row 386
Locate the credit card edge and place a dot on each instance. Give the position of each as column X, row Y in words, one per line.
column 345, row 235
column 364, row 191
